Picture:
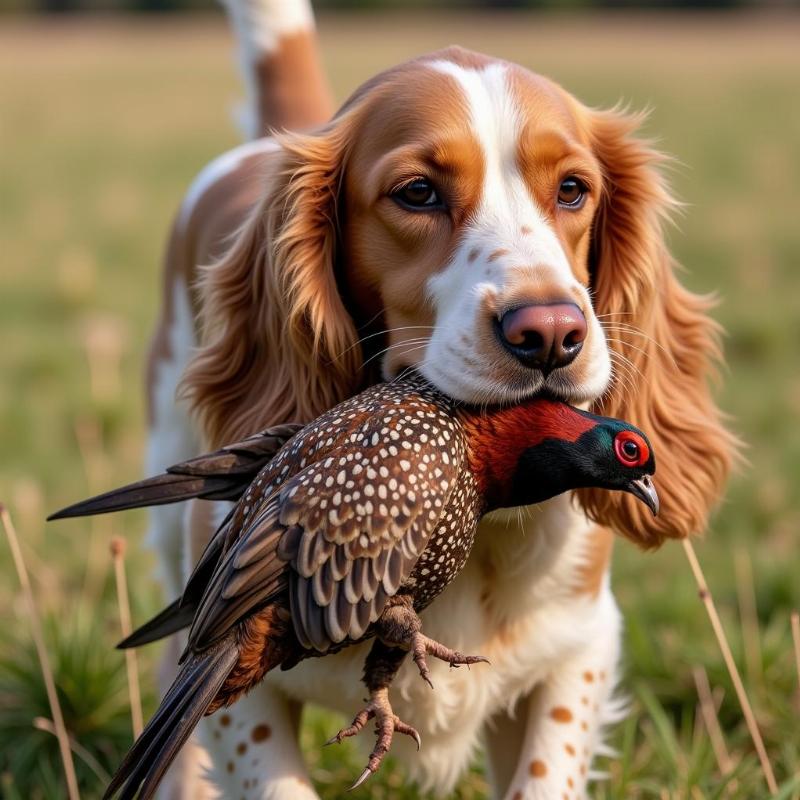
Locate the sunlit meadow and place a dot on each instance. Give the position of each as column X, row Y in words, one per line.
column 102, row 125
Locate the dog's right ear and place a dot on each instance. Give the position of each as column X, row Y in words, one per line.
column 278, row 343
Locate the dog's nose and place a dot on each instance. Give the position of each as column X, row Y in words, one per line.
column 544, row 337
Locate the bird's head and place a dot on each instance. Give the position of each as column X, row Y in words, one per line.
column 531, row 452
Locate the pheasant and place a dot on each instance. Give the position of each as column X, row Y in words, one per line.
column 346, row 529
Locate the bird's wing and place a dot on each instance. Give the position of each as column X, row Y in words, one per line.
column 245, row 458
column 221, row 475
column 343, row 535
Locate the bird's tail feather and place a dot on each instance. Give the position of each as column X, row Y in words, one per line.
column 172, row 619
column 221, row 475
column 166, row 488
column 196, row 686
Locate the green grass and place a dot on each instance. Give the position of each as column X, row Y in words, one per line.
column 103, row 125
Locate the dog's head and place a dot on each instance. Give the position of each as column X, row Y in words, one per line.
column 465, row 216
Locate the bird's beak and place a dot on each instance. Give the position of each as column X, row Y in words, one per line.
column 644, row 489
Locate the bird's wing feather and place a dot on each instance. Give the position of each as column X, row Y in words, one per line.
column 343, row 535
column 245, row 458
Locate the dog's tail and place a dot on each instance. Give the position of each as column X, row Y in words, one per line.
column 279, row 57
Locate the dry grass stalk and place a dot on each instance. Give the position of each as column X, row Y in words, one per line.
column 746, row 596
column 722, row 640
column 41, row 651
column 118, row 556
column 89, row 437
column 796, row 639
column 711, row 722
column 42, row 724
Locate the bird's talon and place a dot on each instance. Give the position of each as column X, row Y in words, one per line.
column 361, row 778
column 386, row 724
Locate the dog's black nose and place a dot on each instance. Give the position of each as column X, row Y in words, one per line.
column 544, row 337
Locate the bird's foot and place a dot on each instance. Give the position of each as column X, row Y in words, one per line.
column 421, row 646
column 386, row 723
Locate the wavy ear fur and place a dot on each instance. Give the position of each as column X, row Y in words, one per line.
column 278, row 343
column 665, row 346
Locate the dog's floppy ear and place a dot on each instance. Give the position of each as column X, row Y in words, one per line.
column 664, row 344
column 278, row 343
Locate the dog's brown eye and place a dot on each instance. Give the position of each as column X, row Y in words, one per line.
column 418, row 194
column 572, row 192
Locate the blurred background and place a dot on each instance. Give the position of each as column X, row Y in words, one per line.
column 104, row 119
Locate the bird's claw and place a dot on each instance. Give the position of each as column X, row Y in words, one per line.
column 386, row 723
column 421, row 646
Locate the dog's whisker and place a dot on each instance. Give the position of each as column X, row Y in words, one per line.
column 416, row 346
column 380, row 333
column 633, row 330
column 628, row 344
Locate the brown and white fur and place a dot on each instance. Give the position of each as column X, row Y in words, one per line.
column 315, row 281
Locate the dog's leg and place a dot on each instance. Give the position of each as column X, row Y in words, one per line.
column 171, row 439
column 566, row 715
column 503, row 741
column 254, row 748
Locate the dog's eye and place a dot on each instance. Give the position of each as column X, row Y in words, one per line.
column 572, row 192
column 419, row 194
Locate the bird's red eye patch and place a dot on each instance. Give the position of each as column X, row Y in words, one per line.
column 631, row 449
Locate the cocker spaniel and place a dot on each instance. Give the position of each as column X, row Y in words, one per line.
column 466, row 217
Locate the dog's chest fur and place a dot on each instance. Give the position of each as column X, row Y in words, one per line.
column 517, row 602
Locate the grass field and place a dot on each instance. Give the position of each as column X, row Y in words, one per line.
column 102, row 124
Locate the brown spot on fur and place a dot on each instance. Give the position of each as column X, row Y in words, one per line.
column 241, row 748
column 583, row 769
column 230, row 766
column 588, row 676
column 561, row 714
column 602, row 674
column 493, row 256
column 525, row 230
column 570, row 749
column 584, row 726
column 261, row 733
column 585, row 701
column 473, row 254
column 538, row 769
column 570, row 783
column 224, row 720
column 517, row 795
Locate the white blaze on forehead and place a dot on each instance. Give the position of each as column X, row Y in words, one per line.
column 512, row 266
column 506, row 204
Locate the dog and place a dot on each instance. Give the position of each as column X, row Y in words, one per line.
column 465, row 217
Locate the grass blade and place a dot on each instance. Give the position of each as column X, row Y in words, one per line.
column 118, row 555
column 796, row 640
column 41, row 651
column 733, row 670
